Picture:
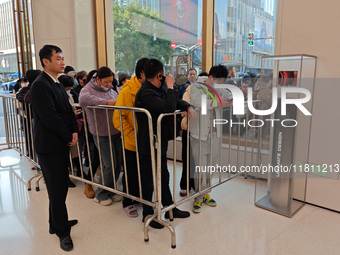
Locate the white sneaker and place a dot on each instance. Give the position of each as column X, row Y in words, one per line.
column 117, row 198
column 103, row 202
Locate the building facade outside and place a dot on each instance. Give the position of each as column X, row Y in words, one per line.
column 181, row 21
column 235, row 19
column 8, row 57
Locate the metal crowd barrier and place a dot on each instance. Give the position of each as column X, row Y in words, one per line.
column 255, row 160
column 19, row 132
column 108, row 120
column 108, row 112
column 19, row 124
column 16, row 139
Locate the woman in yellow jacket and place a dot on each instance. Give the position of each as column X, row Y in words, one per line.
column 126, row 98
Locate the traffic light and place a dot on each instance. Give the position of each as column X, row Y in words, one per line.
column 251, row 39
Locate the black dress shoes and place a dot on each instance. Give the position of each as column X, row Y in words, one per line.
column 66, row 243
column 71, row 223
column 177, row 213
column 154, row 224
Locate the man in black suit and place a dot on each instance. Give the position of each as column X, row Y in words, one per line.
column 55, row 131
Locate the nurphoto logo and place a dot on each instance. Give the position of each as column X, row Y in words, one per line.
column 239, row 109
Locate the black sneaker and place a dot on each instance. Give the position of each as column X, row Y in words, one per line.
column 66, row 243
column 155, row 224
column 177, row 213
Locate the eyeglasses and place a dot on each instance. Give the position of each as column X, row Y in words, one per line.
column 84, row 80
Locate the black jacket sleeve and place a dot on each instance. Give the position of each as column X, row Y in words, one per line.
column 153, row 103
column 182, row 105
column 51, row 112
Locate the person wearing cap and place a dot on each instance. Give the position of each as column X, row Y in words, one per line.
column 123, row 77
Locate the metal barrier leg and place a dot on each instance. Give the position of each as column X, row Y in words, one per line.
column 37, row 188
column 171, row 216
column 29, row 182
column 150, row 218
column 147, row 222
column 173, row 234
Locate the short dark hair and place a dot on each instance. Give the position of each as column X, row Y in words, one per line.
column 66, row 80
column 192, row 69
column 104, row 72
column 80, row 75
column 47, row 51
column 68, row 69
column 203, row 74
column 140, row 66
column 219, row 71
column 152, row 68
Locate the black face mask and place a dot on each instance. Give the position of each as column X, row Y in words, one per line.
column 163, row 79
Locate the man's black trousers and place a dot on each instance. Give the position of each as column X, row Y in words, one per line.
column 55, row 171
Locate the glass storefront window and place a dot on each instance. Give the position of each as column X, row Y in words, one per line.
column 16, row 41
column 234, row 21
column 162, row 29
column 8, row 56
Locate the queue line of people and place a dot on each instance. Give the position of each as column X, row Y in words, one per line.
column 55, row 121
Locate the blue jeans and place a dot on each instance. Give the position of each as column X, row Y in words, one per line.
column 116, row 144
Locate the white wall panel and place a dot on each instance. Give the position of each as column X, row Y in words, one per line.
column 310, row 27
column 68, row 24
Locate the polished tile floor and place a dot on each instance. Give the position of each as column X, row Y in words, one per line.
column 234, row 227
